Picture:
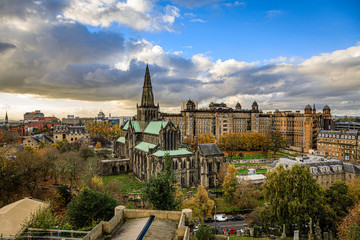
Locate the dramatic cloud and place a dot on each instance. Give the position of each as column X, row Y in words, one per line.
column 58, row 57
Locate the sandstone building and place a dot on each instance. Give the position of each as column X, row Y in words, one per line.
column 343, row 144
column 325, row 170
column 145, row 141
column 71, row 133
column 299, row 129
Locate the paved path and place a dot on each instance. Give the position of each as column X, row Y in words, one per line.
column 131, row 229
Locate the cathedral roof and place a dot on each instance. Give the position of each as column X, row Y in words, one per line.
column 121, row 139
column 154, row 127
column 144, row 146
column 210, row 149
column 134, row 124
column 180, row 151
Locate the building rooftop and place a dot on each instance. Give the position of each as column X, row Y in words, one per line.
column 210, row 149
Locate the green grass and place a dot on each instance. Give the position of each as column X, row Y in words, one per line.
column 245, row 171
column 246, row 238
column 126, row 183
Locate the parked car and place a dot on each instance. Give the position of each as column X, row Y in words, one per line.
column 220, row 218
column 236, row 218
column 208, row 220
column 230, row 231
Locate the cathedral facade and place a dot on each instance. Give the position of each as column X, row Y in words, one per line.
column 146, row 140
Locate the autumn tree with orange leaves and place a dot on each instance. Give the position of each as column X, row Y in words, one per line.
column 350, row 225
column 203, row 138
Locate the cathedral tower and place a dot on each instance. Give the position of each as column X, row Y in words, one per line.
column 6, row 118
column 147, row 111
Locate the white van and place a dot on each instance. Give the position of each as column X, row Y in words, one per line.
column 220, row 218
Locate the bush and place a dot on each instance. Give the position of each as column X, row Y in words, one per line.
column 90, row 207
column 204, row 233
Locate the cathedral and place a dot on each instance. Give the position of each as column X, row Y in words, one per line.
column 145, row 141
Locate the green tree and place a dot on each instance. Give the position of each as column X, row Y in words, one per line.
column 90, row 207
column 230, row 183
column 86, row 152
column 337, row 196
column 277, row 141
column 70, row 165
column 42, row 218
column 293, row 195
column 204, row 233
column 160, row 189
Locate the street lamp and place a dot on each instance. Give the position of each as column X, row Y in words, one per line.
column 215, row 219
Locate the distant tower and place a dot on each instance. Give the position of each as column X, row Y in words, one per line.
column 238, row 106
column 314, row 109
column 255, row 107
column 6, row 118
column 308, row 109
column 326, row 110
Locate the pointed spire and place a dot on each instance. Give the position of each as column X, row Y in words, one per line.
column 147, row 99
column 6, row 118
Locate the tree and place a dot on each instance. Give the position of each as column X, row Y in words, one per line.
column 86, row 152
column 200, row 204
column 160, row 189
column 222, row 173
column 47, row 157
column 277, row 141
column 246, row 195
column 98, row 145
column 293, row 195
column 350, row 225
column 10, row 137
column 90, row 207
column 354, row 189
column 230, row 183
column 205, row 138
column 103, row 131
column 42, row 218
column 337, row 196
column 70, row 165
column 229, row 142
column 204, row 233
column 30, row 169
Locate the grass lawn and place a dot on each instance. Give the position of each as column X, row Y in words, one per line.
column 246, row 238
column 259, row 155
column 245, row 171
column 126, row 183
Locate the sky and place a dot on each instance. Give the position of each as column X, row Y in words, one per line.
column 81, row 56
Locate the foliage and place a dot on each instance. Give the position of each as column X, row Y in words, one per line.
column 30, row 169
column 124, row 183
column 350, row 225
column 204, row 233
column 338, row 198
column 98, row 145
column 86, row 152
column 230, row 183
column 10, row 137
column 62, row 146
column 42, row 218
column 203, row 138
column 90, row 206
column 160, row 189
column 220, row 175
column 9, row 176
column 200, row 204
column 293, row 195
column 246, row 196
column 276, row 141
column 354, row 189
column 70, row 165
column 103, row 131
column 233, row 142
column 47, row 157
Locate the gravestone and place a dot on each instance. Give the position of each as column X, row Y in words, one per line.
column 326, row 236
column 296, row 235
column 283, row 235
column 317, row 231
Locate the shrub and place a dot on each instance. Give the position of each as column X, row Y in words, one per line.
column 89, row 207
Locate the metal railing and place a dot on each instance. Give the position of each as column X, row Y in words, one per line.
column 38, row 233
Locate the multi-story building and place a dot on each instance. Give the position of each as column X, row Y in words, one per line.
column 33, row 115
column 347, row 126
column 35, row 140
column 299, row 129
column 343, row 144
column 325, row 170
column 71, row 133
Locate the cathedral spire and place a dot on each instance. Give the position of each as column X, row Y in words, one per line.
column 6, row 118
column 147, row 99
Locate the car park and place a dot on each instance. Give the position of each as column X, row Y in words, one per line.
column 236, row 218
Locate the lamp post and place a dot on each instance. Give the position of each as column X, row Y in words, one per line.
column 215, row 219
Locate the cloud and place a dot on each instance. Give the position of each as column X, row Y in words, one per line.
column 52, row 57
column 137, row 14
column 195, row 3
column 6, row 46
column 199, row 20
column 274, row 13
column 235, row 4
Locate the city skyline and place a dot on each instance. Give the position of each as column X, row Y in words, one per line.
column 80, row 57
